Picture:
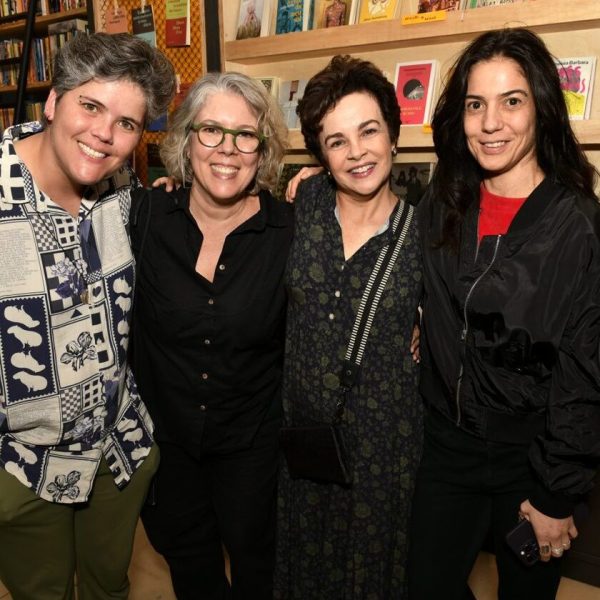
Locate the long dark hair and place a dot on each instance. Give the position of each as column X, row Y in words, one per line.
column 457, row 176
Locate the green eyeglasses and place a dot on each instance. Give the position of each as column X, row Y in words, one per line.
column 211, row 136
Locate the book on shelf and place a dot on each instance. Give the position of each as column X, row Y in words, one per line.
column 290, row 91
column 411, row 7
column 142, row 24
column 485, row 3
column 293, row 15
column 177, row 23
column 271, row 84
column 334, row 13
column 378, row 10
column 254, row 19
column 409, row 180
column 415, row 86
column 576, row 76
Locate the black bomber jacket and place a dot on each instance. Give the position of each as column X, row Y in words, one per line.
column 511, row 333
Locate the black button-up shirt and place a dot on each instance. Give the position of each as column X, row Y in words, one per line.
column 208, row 356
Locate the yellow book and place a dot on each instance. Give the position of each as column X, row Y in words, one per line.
column 377, row 10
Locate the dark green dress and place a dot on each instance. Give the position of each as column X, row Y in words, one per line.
column 337, row 543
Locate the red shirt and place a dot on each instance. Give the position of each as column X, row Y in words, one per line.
column 496, row 213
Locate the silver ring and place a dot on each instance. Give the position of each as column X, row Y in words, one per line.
column 557, row 552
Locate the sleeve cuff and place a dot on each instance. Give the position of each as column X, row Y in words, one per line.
column 552, row 504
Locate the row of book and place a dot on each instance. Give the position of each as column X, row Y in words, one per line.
column 416, row 83
column 12, row 8
column 267, row 17
column 42, row 52
column 33, row 112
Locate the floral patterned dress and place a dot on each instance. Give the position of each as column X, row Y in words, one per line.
column 334, row 542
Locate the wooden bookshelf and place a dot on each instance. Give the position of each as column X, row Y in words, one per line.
column 568, row 28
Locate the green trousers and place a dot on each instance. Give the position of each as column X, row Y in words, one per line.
column 43, row 544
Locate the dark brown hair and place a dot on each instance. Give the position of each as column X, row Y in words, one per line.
column 344, row 75
column 457, row 176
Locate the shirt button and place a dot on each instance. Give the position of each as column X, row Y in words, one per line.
column 207, row 342
column 205, row 376
column 221, row 267
column 203, row 407
column 337, row 293
column 342, row 266
column 211, row 301
column 331, row 316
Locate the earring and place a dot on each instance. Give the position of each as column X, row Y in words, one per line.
column 394, row 151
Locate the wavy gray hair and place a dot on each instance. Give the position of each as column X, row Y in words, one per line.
column 175, row 148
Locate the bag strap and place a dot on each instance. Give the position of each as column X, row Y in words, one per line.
column 368, row 305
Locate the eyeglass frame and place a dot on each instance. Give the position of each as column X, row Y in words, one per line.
column 233, row 132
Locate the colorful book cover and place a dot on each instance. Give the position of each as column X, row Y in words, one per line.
column 377, row 10
column 290, row 16
column 332, row 13
column 426, row 6
column 177, row 23
column 577, row 83
column 250, row 21
column 271, row 84
column 415, row 83
column 142, row 24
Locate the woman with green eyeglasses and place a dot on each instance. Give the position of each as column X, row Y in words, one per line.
column 209, row 337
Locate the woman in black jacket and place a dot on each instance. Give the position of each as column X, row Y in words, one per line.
column 511, row 323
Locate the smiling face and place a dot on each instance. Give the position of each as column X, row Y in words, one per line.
column 223, row 174
column 356, row 145
column 499, row 123
column 93, row 130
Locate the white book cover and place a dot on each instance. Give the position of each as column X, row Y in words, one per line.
column 577, row 83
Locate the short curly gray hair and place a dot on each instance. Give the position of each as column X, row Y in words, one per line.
column 175, row 148
column 105, row 57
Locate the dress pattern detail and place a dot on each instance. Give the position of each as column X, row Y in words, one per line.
column 336, row 542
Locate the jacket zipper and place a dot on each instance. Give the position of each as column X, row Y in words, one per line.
column 465, row 330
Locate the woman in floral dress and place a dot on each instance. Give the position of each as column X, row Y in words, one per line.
column 350, row 542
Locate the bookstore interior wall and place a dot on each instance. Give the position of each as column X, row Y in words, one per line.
column 188, row 61
column 56, row 22
column 568, row 28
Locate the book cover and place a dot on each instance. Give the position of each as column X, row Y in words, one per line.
column 177, row 23
column 409, row 180
column 142, row 24
column 377, row 10
column 484, row 3
column 308, row 15
column 415, row 84
column 332, row 13
column 425, row 6
column 290, row 16
column 577, row 83
column 290, row 91
column 271, row 84
column 116, row 21
column 250, row 20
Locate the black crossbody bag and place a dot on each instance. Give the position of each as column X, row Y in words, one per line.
column 318, row 452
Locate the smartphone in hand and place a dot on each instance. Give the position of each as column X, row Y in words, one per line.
column 523, row 543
